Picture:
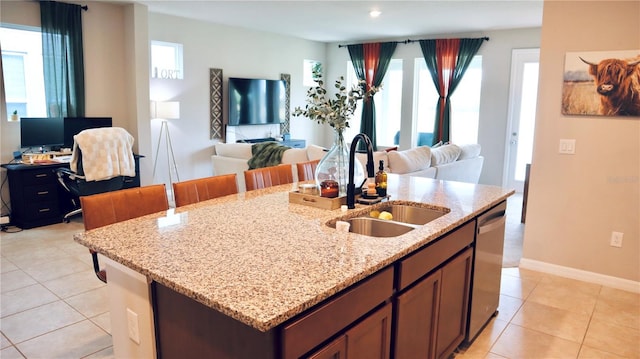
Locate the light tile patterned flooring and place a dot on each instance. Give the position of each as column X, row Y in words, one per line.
column 53, row 306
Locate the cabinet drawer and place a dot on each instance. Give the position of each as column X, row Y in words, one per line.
column 38, row 176
column 329, row 318
column 42, row 210
column 429, row 258
column 41, row 193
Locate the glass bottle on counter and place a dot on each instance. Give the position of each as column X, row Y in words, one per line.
column 381, row 180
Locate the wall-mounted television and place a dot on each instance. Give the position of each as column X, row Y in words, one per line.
column 41, row 132
column 74, row 125
column 256, row 101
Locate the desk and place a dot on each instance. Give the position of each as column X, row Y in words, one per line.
column 37, row 199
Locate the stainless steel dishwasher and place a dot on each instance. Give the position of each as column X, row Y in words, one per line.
column 487, row 269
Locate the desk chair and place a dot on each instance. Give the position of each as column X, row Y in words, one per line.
column 268, row 176
column 202, row 189
column 307, row 170
column 107, row 208
column 102, row 159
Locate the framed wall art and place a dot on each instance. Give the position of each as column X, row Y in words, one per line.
column 602, row 83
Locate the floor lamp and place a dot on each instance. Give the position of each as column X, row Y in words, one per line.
column 169, row 110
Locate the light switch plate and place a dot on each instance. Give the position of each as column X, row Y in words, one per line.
column 567, row 146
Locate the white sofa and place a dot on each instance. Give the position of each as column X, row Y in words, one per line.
column 448, row 162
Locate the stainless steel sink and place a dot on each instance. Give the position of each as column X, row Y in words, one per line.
column 412, row 214
column 377, row 227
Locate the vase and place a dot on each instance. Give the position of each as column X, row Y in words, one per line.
column 334, row 166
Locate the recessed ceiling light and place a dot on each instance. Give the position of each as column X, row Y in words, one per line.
column 375, row 13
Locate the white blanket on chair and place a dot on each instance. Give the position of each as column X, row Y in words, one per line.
column 106, row 153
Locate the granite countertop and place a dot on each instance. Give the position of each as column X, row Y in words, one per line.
column 261, row 260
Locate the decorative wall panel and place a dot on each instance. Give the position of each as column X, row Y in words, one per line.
column 284, row 127
column 215, row 108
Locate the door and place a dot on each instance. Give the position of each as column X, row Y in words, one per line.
column 522, row 114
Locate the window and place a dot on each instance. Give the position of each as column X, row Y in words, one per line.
column 465, row 102
column 388, row 105
column 22, row 71
column 166, row 60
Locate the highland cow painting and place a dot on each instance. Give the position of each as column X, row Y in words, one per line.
column 602, row 83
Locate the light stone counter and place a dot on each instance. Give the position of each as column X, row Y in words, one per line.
column 261, row 260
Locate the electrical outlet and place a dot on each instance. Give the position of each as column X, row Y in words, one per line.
column 132, row 326
column 616, row 239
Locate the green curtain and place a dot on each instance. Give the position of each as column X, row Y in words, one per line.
column 63, row 60
column 433, row 58
column 381, row 58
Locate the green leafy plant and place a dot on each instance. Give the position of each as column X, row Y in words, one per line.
column 335, row 110
column 15, row 112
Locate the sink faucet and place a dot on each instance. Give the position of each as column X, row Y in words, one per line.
column 351, row 187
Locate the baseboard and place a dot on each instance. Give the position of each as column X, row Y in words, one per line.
column 591, row 277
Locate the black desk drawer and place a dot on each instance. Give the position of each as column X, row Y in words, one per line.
column 38, row 176
column 35, row 211
column 42, row 193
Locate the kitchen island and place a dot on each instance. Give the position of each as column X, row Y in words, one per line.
column 259, row 263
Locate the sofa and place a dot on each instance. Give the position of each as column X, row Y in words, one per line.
column 449, row 162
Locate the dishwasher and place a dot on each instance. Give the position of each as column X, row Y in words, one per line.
column 487, row 269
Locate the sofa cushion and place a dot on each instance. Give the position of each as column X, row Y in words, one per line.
column 377, row 157
column 294, row 155
column 315, row 152
column 444, row 154
column 471, row 150
column 234, row 150
column 410, row 160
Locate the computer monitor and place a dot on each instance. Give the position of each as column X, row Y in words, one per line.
column 74, row 125
column 41, row 132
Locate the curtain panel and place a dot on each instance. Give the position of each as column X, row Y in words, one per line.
column 447, row 60
column 370, row 62
column 63, row 58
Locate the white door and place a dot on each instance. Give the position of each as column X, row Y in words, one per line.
column 522, row 115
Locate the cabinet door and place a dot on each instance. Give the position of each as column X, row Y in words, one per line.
column 371, row 339
column 417, row 316
column 454, row 301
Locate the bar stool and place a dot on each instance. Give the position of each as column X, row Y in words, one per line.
column 268, row 176
column 202, row 189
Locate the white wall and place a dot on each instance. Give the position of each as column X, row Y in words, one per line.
column 494, row 97
column 239, row 53
column 576, row 201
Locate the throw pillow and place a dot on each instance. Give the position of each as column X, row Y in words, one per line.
column 444, row 154
column 377, row 157
column 469, row 151
column 410, row 160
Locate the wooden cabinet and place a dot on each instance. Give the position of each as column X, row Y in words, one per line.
column 432, row 311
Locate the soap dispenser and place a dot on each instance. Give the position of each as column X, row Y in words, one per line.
column 381, row 181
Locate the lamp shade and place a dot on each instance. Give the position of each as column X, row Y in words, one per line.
column 167, row 110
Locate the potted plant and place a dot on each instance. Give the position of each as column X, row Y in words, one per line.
column 14, row 116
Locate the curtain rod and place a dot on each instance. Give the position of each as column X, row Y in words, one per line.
column 397, row 42
column 411, row 41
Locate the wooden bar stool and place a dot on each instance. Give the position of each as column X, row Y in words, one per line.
column 202, row 189
column 102, row 209
column 268, row 176
column 307, row 170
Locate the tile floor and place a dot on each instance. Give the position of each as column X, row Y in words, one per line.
column 53, row 306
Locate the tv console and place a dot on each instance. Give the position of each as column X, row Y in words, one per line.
column 293, row 143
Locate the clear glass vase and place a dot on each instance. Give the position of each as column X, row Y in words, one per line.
column 335, row 165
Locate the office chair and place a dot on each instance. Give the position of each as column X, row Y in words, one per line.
column 202, row 189
column 107, row 208
column 268, row 176
column 307, row 170
column 101, row 159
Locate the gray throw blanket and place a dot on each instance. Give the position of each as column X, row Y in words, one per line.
column 266, row 154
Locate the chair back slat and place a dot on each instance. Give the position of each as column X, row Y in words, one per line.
column 202, row 189
column 268, row 176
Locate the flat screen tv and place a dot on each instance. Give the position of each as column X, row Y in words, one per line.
column 41, row 132
column 74, row 125
column 256, row 101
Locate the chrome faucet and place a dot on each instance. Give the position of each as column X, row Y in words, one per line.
column 351, row 187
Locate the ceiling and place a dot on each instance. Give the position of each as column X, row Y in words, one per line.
column 349, row 21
